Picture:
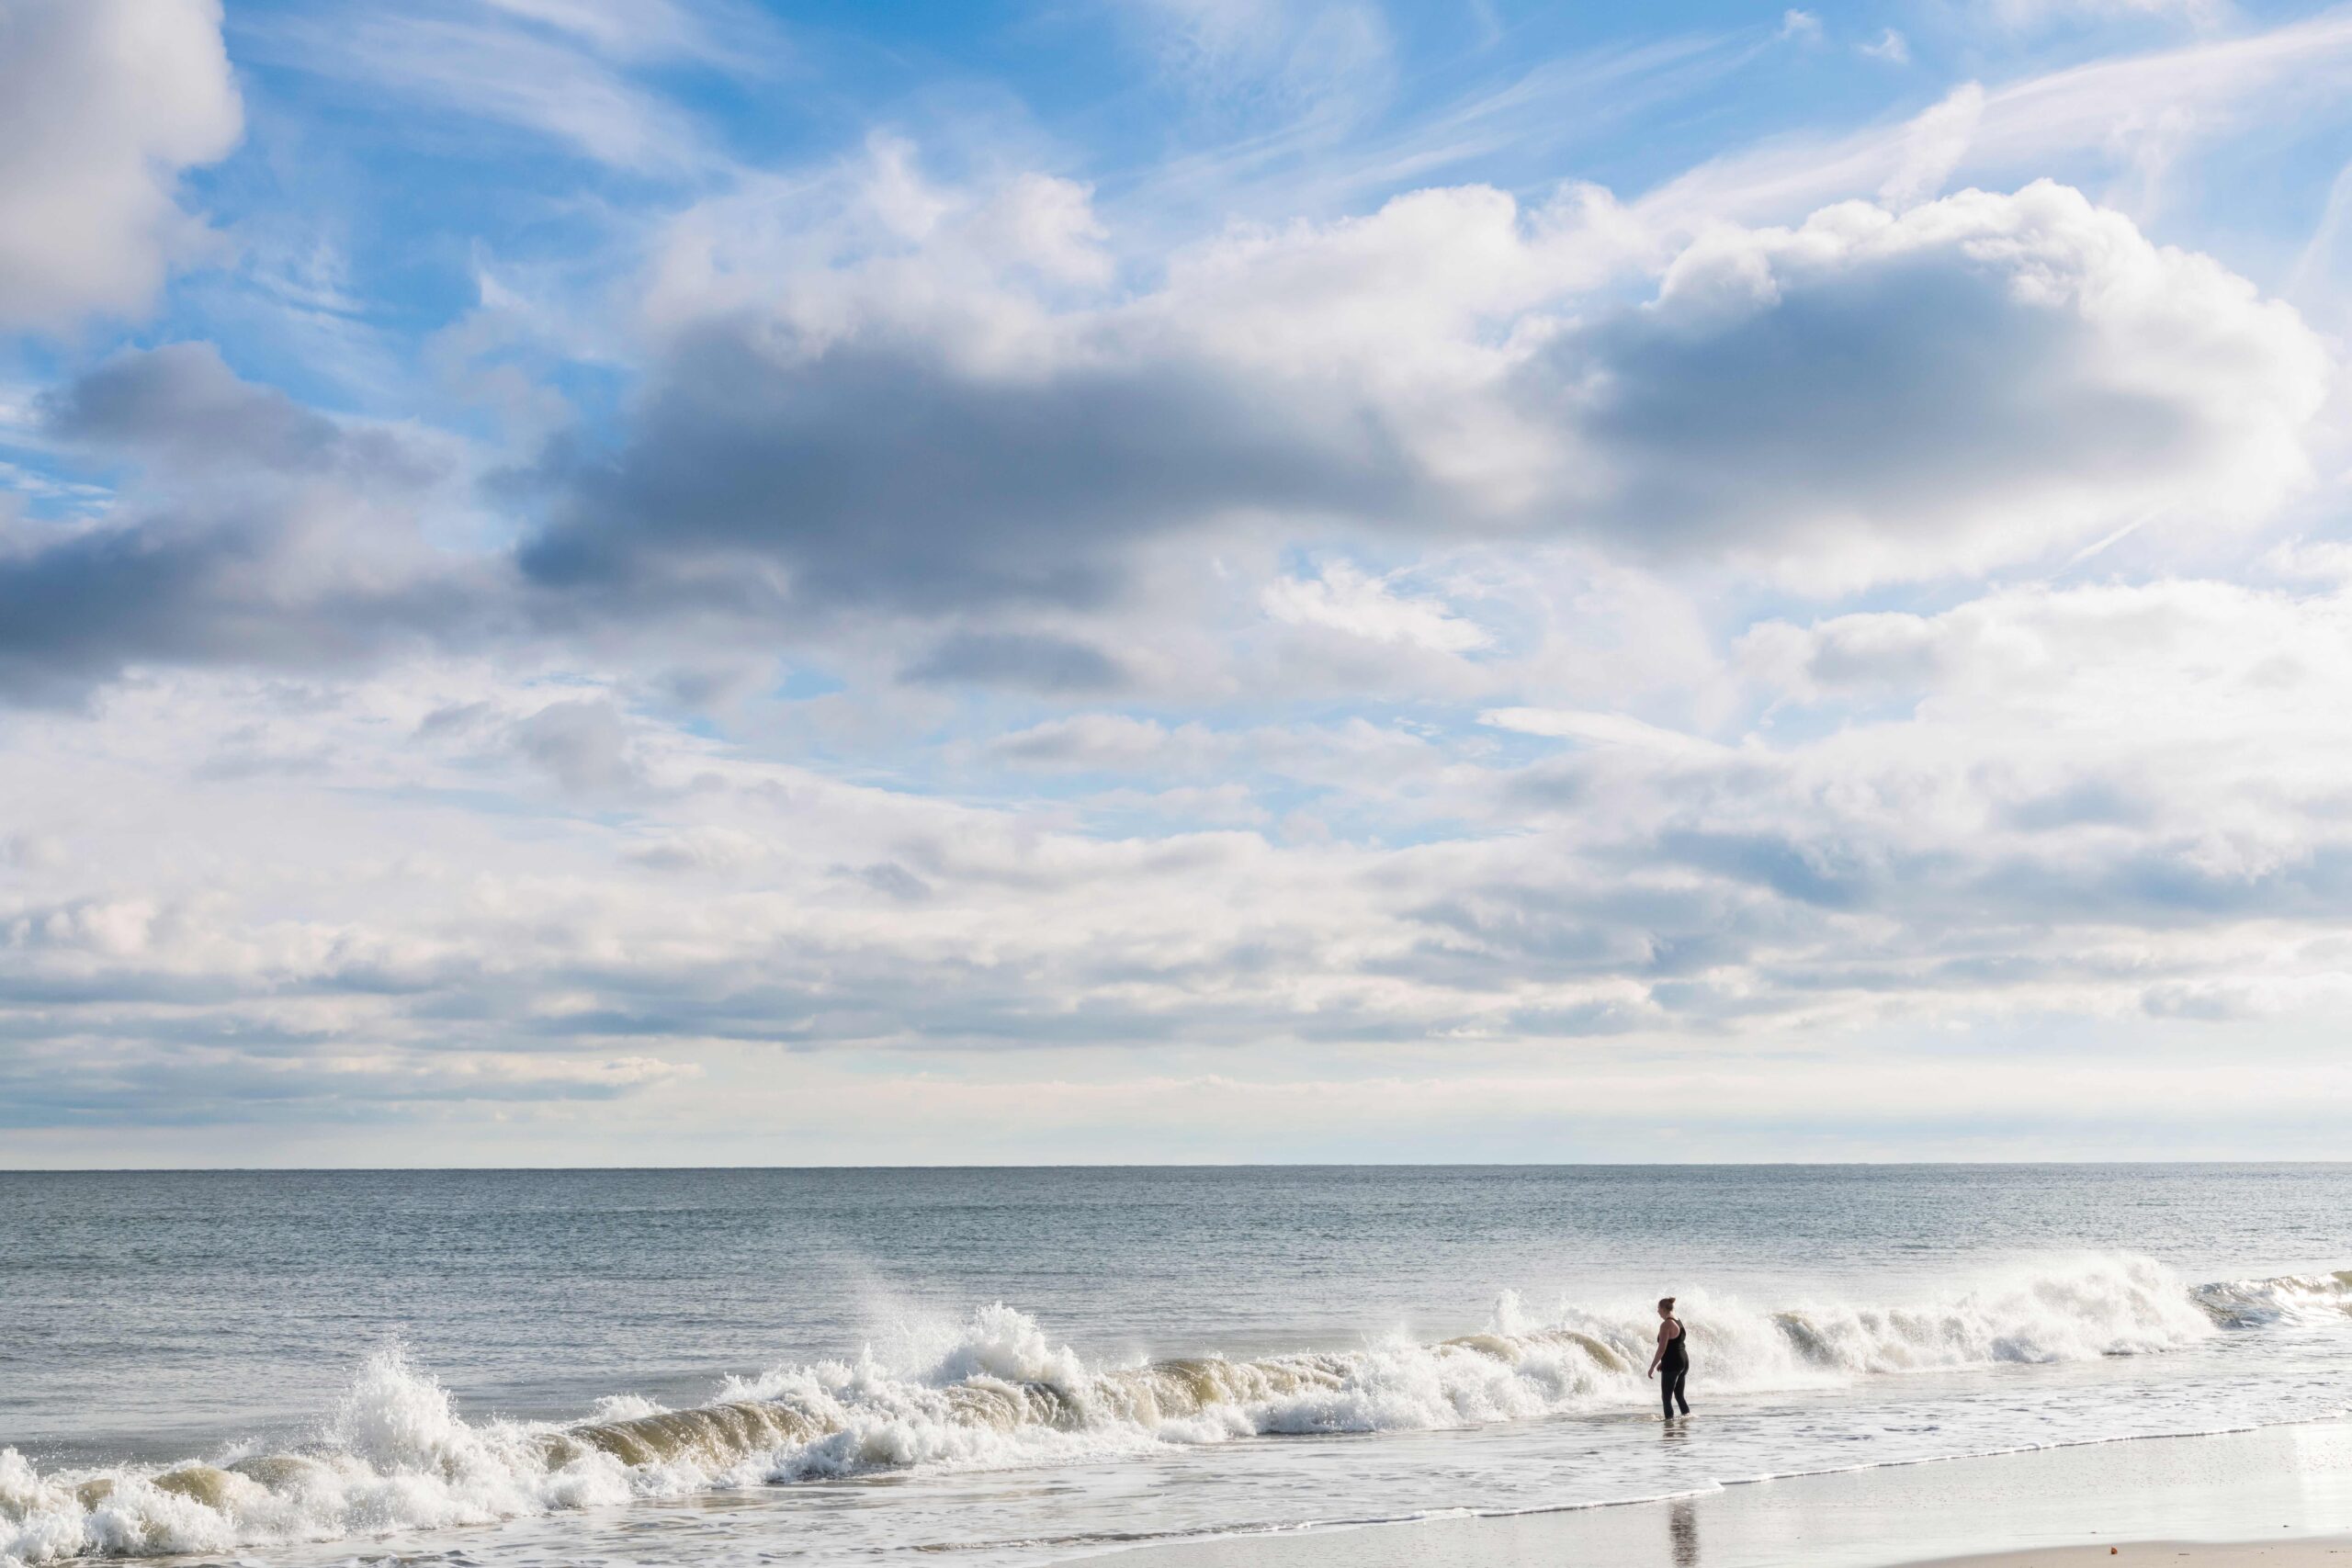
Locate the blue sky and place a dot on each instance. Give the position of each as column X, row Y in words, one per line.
column 696, row 582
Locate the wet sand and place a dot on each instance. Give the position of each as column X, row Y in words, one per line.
column 2282, row 1497
column 2305, row 1553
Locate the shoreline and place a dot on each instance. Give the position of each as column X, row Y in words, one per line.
column 2280, row 1496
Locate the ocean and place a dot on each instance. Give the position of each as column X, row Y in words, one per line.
column 1004, row 1366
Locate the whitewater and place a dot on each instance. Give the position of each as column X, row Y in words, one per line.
column 396, row 1456
column 541, row 1368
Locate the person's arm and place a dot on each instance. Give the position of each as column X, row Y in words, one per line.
column 1659, row 1355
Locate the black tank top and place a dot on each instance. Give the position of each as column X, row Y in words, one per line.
column 1677, row 1354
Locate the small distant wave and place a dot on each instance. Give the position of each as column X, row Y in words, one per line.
column 396, row 1456
column 2290, row 1298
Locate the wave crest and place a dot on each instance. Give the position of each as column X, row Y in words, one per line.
column 398, row 1456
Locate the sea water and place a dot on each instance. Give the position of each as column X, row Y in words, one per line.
column 1027, row 1365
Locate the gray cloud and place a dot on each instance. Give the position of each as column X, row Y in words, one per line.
column 125, row 1082
column 78, row 613
column 1055, row 666
column 182, row 406
column 1900, row 397
column 1875, row 396
column 257, row 533
column 878, row 475
column 583, row 744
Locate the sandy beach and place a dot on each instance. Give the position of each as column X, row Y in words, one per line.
column 2181, row 1553
column 2281, row 1495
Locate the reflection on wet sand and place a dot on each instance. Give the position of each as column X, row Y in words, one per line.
column 1682, row 1528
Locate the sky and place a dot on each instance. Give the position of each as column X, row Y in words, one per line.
column 688, row 582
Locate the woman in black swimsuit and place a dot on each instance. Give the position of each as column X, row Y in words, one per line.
column 1673, row 1357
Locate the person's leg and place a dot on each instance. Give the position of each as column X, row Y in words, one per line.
column 1665, row 1392
column 1680, row 1373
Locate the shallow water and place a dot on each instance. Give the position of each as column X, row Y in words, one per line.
column 425, row 1363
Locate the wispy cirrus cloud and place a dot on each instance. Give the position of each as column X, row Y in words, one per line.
column 566, row 72
column 2188, row 93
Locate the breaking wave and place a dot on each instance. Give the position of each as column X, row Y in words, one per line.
column 396, row 1456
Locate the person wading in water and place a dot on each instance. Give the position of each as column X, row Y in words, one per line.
column 1673, row 1358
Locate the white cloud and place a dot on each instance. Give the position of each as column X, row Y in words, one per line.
column 1345, row 600
column 2224, row 664
column 1933, row 145
column 2105, row 109
column 1091, row 741
column 1984, row 846
column 2024, row 14
column 1600, row 729
column 570, row 83
column 941, row 459
column 1307, row 59
column 894, row 420
column 103, row 105
column 2138, row 381
column 1890, row 46
column 583, row 743
column 2316, row 280
column 1039, row 221
column 646, row 30
column 1224, row 805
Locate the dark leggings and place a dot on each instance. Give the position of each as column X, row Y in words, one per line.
column 1670, row 1385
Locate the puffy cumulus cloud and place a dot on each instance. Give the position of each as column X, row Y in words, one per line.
column 254, row 531
column 103, row 103
column 913, row 430
column 871, row 476
column 915, row 426
column 1971, row 382
column 1346, row 600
